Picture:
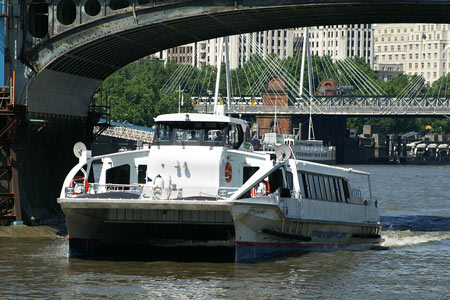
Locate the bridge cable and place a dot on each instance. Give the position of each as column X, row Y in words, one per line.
column 207, row 70
column 266, row 63
column 350, row 70
column 351, row 78
column 285, row 75
column 375, row 88
column 290, row 80
column 177, row 81
column 362, row 79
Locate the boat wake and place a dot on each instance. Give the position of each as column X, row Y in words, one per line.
column 394, row 239
column 401, row 231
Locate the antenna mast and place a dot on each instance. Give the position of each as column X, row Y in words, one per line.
column 227, row 68
column 311, row 128
column 219, row 66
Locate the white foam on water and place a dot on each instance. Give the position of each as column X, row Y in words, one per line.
column 411, row 238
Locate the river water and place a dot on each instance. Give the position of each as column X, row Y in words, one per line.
column 415, row 210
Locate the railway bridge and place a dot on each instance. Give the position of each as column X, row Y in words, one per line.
column 55, row 54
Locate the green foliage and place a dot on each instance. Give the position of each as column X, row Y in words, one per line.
column 134, row 92
column 441, row 87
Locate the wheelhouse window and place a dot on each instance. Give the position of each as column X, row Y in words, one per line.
column 187, row 134
column 199, row 133
column 163, row 132
column 234, row 136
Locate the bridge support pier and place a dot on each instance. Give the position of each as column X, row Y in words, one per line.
column 43, row 156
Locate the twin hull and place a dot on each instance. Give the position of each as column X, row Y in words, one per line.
column 249, row 229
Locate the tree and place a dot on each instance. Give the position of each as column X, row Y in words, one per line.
column 134, row 92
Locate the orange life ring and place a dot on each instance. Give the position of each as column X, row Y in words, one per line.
column 253, row 190
column 228, row 172
column 81, row 180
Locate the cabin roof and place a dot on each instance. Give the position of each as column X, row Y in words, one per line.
column 318, row 168
column 195, row 117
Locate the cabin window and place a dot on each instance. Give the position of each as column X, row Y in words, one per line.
column 248, row 172
column 337, row 189
column 118, row 175
column 234, row 136
column 304, row 186
column 326, row 188
column 142, row 173
column 346, row 191
column 332, row 189
column 317, row 187
column 213, row 135
column 323, row 187
column 289, row 180
column 163, row 132
column 341, row 190
column 188, row 135
column 276, row 180
column 311, row 186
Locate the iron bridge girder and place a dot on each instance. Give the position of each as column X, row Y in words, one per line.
column 101, row 45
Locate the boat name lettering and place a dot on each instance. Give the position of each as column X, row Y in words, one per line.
column 256, row 211
column 329, row 235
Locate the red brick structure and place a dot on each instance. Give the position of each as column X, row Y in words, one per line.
column 327, row 87
column 275, row 95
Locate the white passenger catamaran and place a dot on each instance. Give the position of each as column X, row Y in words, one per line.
column 201, row 184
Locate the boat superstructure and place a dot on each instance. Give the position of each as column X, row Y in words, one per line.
column 310, row 150
column 201, row 184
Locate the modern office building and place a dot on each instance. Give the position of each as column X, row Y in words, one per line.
column 242, row 47
column 339, row 41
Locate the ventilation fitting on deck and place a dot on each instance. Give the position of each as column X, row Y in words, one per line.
column 92, row 7
column 118, row 4
column 38, row 18
column 66, row 12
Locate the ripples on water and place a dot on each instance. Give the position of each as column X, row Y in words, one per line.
column 416, row 229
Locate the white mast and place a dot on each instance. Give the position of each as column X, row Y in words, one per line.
column 219, row 66
column 311, row 128
column 227, row 68
column 302, row 69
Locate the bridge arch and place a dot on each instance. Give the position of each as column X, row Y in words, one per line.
column 95, row 45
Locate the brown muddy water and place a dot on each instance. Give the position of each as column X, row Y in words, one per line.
column 415, row 210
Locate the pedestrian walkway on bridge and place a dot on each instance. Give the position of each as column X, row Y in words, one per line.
column 341, row 87
column 125, row 131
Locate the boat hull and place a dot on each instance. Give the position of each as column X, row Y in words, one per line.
column 247, row 229
column 110, row 228
column 263, row 232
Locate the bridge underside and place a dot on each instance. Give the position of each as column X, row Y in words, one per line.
column 71, row 61
column 98, row 48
